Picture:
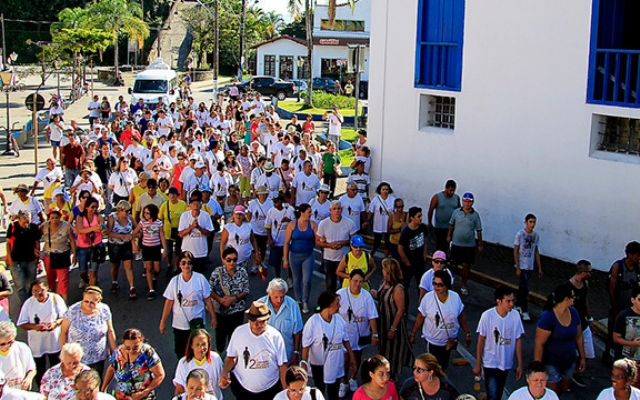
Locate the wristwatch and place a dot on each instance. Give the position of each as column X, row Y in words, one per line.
column 375, row 335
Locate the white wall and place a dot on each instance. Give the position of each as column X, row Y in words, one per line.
column 522, row 141
column 361, row 12
column 283, row 47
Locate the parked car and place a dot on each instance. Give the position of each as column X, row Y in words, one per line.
column 265, row 85
column 326, row 84
column 301, row 85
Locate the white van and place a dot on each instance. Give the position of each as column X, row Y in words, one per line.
column 158, row 80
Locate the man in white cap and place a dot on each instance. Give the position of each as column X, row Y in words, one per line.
column 195, row 181
column 270, row 180
column 257, row 355
column 320, row 206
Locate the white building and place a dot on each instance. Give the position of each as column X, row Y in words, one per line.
column 510, row 99
column 278, row 57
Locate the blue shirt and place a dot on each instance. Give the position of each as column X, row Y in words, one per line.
column 288, row 321
column 465, row 226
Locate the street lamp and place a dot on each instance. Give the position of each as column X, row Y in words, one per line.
column 300, row 64
column 8, row 88
column 57, row 64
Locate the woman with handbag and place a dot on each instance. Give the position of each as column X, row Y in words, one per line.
column 441, row 317
column 59, row 246
column 186, row 297
column 229, row 289
column 120, row 226
column 358, row 309
column 91, row 251
column 136, row 368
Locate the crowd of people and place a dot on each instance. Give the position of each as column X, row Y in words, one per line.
column 171, row 184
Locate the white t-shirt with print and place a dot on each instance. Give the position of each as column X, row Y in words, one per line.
column 16, row 364
column 278, row 227
column 306, row 187
column 259, row 213
column 523, row 394
column 320, row 211
column 331, row 356
column 258, row 357
column 363, row 309
column 195, row 241
column 501, row 335
column 352, row 208
column 381, row 209
column 240, row 239
column 433, row 328
column 50, row 310
column 193, row 294
column 213, row 368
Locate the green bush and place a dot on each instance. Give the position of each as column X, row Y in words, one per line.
column 326, row 100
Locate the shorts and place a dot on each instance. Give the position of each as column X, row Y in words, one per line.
column 555, row 375
column 462, row 255
column 120, row 252
column 151, row 253
column 55, row 143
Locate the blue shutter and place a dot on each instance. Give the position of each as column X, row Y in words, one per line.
column 439, row 44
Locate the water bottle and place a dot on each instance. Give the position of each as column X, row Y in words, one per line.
column 476, row 383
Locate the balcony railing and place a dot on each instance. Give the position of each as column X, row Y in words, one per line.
column 615, row 78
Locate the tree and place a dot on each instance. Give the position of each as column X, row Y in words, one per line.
column 273, row 23
column 200, row 23
column 296, row 28
column 120, row 17
column 76, row 32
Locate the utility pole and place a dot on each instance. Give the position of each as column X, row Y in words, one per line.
column 4, row 44
column 242, row 21
column 216, row 48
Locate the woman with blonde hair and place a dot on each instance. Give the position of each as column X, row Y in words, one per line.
column 120, row 227
column 428, row 381
column 392, row 326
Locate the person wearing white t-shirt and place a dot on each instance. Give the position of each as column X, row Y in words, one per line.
column 165, row 123
column 51, row 178
column 257, row 214
column 536, row 388
column 199, row 355
column 305, row 184
column 9, row 393
column 194, row 228
column 16, row 359
column 94, row 109
column 438, row 262
column 499, row 340
column 321, row 206
column 335, row 120
column 258, row 357
column 440, row 318
column 296, row 379
column 334, row 236
column 55, row 131
column 353, row 205
column 380, row 209
column 281, row 151
column 324, row 341
column 270, row 180
column 186, row 297
column 278, row 218
column 87, row 386
column 257, row 105
column 198, row 385
column 359, row 311
column 41, row 316
column 239, row 235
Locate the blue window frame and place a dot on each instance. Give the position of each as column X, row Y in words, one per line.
column 614, row 60
column 439, row 44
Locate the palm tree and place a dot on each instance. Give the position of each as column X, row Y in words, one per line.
column 295, row 8
column 120, row 17
column 273, row 24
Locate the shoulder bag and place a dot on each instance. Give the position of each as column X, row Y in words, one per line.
column 452, row 343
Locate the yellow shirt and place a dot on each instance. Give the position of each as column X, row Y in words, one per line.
column 361, row 263
column 137, row 192
column 175, row 211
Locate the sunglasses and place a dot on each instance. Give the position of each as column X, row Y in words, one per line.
column 186, row 262
column 438, row 262
column 9, row 343
column 420, row 370
column 438, row 284
column 231, row 259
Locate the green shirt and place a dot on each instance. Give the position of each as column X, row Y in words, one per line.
column 330, row 162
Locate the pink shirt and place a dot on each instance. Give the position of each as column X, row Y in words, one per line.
column 84, row 240
column 391, row 393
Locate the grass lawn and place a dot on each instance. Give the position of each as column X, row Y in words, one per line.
column 347, row 157
column 293, row 106
column 349, row 134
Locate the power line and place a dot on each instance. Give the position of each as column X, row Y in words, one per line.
column 29, row 21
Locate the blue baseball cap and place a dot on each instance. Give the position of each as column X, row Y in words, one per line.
column 357, row 241
column 468, row 196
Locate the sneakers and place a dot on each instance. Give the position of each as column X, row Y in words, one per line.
column 82, row 284
column 577, row 379
column 305, row 308
column 144, row 273
column 519, row 310
column 353, row 385
column 290, row 283
column 254, row 270
column 133, row 294
column 151, row 295
column 527, row 317
column 344, row 387
column 138, row 256
column 464, row 291
column 114, row 287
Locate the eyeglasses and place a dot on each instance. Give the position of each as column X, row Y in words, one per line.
column 231, row 259
column 84, row 197
column 94, row 207
column 438, row 284
column 37, row 292
column 186, row 262
column 9, row 343
column 438, row 262
column 420, row 370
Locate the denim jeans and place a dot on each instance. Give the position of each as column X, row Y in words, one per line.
column 523, row 290
column 108, row 205
column 84, row 260
column 330, row 277
column 23, row 273
column 70, row 176
column 494, row 381
column 301, row 265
